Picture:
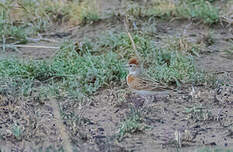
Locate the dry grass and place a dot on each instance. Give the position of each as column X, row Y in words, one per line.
column 226, row 13
column 200, row 10
column 163, row 8
column 86, row 11
column 183, row 45
column 48, row 11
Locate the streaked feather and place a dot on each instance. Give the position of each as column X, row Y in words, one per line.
column 146, row 84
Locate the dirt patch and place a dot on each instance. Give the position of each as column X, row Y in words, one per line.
column 202, row 119
column 27, row 125
column 35, row 51
column 39, row 53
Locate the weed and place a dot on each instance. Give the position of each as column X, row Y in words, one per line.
column 198, row 113
column 157, row 8
column 16, row 131
column 131, row 125
column 136, row 10
column 30, row 15
column 38, row 70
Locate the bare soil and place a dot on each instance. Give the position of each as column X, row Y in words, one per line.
column 202, row 116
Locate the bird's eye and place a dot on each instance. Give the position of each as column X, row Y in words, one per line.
column 131, row 65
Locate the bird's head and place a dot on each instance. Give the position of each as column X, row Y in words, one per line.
column 134, row 66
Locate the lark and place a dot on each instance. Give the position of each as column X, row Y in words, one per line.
column 142, row 84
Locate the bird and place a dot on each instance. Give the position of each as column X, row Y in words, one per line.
column 141, row 84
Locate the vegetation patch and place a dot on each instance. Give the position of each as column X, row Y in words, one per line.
column 201, row 10
column 173, row 63
column 87, row 73
column 86, row 68
column 131, row 125
column 199, row 113
column 22, row 18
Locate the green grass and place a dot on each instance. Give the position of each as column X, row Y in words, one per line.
column 172, row 67
column 81, row 69
column 200, row 10
column 92, row 71
column 16, row 131
column 131, row 125
column 84, row 74
column 170, row 64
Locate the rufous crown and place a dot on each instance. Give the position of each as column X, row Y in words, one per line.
column 134, row 60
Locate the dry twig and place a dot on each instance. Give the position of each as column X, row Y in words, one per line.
column 130, row 37
column 30, row 46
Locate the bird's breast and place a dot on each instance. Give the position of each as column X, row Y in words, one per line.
column 130, row 78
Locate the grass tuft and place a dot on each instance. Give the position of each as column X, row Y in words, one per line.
column 199, row 113
column 131, row 125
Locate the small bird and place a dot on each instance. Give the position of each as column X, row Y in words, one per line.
column 141, row 84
